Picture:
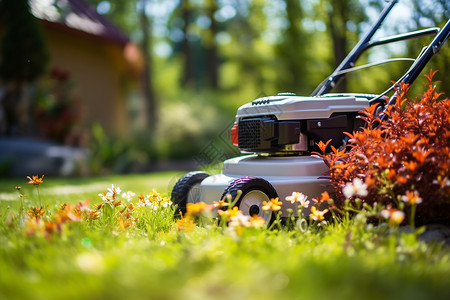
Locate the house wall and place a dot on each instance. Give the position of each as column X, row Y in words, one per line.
column 98, row 70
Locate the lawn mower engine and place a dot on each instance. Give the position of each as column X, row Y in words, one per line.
column 287, row 124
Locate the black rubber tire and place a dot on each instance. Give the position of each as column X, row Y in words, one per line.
column 180, row 191
column 248, row 184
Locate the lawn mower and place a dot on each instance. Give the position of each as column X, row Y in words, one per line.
column 279, row 133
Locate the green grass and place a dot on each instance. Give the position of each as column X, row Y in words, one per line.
column 60, row 190
column 154, row 260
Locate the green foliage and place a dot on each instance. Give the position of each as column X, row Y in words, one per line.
column 405, row 160
column 23, row 58
column 99, row 259
column 23, row 51
column 183, row 132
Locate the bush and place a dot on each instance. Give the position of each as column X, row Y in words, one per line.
column 403, row 160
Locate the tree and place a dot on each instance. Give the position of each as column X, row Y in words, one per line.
column 197, row 28
column 340, row 15
column 212, row 58
column 147, row 78
column 292, row 51
column 426, row 14
column 188, row 76
column 23, row 59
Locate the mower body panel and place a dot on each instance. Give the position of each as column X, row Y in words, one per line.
column 286, row 174
column 297, row 107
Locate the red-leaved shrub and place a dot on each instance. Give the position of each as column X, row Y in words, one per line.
column 406, row 154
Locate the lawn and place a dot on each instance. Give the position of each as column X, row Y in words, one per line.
column 156, row 258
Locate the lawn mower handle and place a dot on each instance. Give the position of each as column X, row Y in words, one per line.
column 425, row 56
column 351, row 58
column 420, row 62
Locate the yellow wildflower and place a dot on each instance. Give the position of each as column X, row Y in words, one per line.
column 257, row 222
column 317, row 215
column 221, row 203
column 229, row 213
column 273, row 204
column 394, row 216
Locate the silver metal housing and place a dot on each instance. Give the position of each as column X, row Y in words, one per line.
column 286, row 174
column 303, row 108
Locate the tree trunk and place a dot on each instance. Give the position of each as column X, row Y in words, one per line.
column 337, row 18
column 188, row 78
column 146, row 77
column 212, row 58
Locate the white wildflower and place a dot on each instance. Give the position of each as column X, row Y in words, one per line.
column 113, row 191
column 128, row 195
column 240, row 220
column 299, row 198
column 355, row 188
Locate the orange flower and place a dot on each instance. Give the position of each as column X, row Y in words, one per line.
column 317, row 215
column 67, row 214
column 324, row 197
column 186, row 224
column 36, row 212
column 443, row 182
column 402, row 179
column 370, row 181
column 92, row 215
column 391, row 174
column 273, row 204
column 196, row 209
column 125, row 222
column 35, row 180
column 431, row 75
column 411, row 165
column 420, row 155
column 33, row 226
column 50, row 228
column 412, row 197
column 83, row 206
column 322, row 146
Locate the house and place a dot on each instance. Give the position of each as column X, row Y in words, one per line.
column 99, row 59
column 102, row 66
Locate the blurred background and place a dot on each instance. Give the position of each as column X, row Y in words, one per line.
column 92, row 87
